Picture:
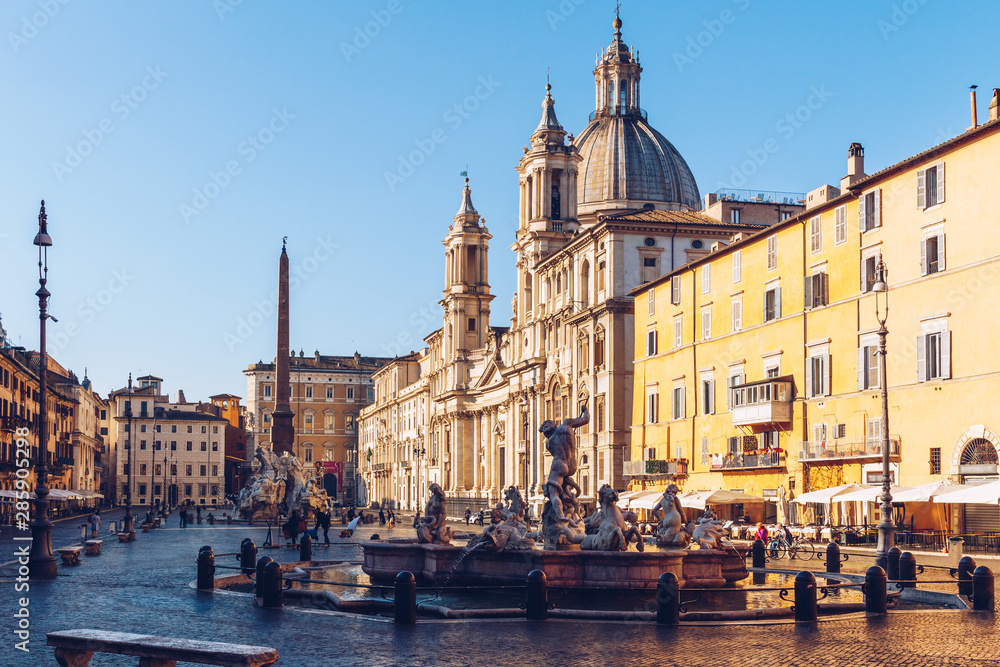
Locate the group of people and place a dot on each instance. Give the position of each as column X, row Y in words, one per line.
column 384, row 519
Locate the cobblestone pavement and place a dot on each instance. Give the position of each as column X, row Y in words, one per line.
column 143, row 587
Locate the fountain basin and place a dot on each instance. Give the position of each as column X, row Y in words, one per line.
column 454, row 565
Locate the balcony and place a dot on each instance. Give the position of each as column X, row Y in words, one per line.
column 12, row 422
column 762, row 402
column 843, row 449
column 740, row 462
column 655, row 468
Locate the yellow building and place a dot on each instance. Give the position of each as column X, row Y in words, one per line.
column 756, row 366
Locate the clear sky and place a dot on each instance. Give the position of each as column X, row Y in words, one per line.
column 176, row 143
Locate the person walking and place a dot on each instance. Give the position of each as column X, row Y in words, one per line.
column 381, row 516
column 183, row 515
column 468, row 515
column 95, row 523
column 323, row 521
column 292, row 527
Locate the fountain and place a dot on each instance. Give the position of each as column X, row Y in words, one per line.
column 258, row 499
column 579, row 552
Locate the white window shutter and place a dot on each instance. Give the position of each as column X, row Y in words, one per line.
column 777, row 303
column 711, row 397
column 923, row 257
column 946, row 354
column 683, row 404
column 826, row 374
column 807, row 287
column 921, row 188
column 729, row 397
column 940, row 179
column 864, row 274
column 825, row 280
column 921, row 358
column 940, row 253
column 878, row 207
column 861, row 214
column 862, row 365
column 809, row 377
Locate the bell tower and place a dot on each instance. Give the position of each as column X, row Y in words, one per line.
column 617, row 78
column 467, row 297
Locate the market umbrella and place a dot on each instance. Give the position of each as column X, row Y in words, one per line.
column 987, row 494
column 869, row 494
column 625, row 498
column 824, row 496
column 700, row 499
column 926, row 493
column 647, row 501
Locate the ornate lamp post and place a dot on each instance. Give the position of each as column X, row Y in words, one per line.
column 128, row 528
column 41, row 560
column 886, row 530
column 417, row 497
column 163, row 503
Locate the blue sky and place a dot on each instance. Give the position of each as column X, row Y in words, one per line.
column 176, row 143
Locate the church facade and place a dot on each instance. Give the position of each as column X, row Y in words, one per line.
column 600, row 214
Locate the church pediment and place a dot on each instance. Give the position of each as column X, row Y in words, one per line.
column 492, row 375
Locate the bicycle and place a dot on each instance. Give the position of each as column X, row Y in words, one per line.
column 799, row 548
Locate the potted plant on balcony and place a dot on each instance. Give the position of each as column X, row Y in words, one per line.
column 682, row 466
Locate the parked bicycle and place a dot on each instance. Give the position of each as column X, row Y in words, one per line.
column 779, row 547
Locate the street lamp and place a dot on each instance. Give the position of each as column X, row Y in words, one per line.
column 128, row 528
column 886, row 531
column 418, row 452
column 163, row 501
column 41, row 560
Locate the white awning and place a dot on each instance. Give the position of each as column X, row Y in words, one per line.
column 986, row 494
column 624, row 498
column 869, row 494
column 925, row 493
column 647, row 501
column 826, row 495
column 700, row 499
column 13, row 494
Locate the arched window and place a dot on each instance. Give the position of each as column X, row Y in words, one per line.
column 555, row 398
column 585, row 284
column 328, row 419
column 623, row 90
column 599, row 347
column 979, row 451
column 611, row 93
column 583, row 353
column 527, row 293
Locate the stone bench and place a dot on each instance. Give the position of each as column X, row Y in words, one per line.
column 125, row 537
column 70, row 555
column 93, row 547
column 74, row 648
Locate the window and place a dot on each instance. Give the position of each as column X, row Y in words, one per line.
column 816, row 235
column 204, row 429
column 675, row 290
column 601, row 266
column 328, row 420
column 734, row 216
column 870, row 210
column 935, row 460
column 772, row 253
column 142, row 468
column 650, row 343
column 202, row 471
column 187, row 470
column 706, row 324
column 173, row 428
column 371, row 394
column 600, row 414
column 706, row 456
column 309, row 391
column 204, row 446
column 215, row 446
column 142, row 489
column 934, row 356
column 708, row 396
column 816, row 290
column 215, row 470
column 868, row 268
column 772, row 304
column 737, row 315
column 189, row 445
column 173, row 469
column 874, row 436
column 142, row 444
column 472, row 324
column 840, row 225
column 678, row 332
column 737, row 266
column 678, row 403
column 932, row 255
column 173, row 445
column 309, row 454
column 706, row 279
column 267, row 390
column 201, row 490
column 350, row 393
column 930, row 186
column 652, row 407
column 649, row 271
column 818, row 375
column 352, row 422
column 868, row 367
column 190, row 429
column 734, row 445
column 651, row 298
column 308, row 420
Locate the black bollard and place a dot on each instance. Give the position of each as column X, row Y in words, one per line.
column 305, row 548
column 965, row 568
column 206, row 569
column 982, row 589
column 875, row 593
column 668, row 607
column 405, row 603
column 247, row 555
column 271, row 586
column 536, row 598
column 805, row 598
column 758, row 553
column 907, row 570
column 261, row 564
column 892, row 564
column 833, row 557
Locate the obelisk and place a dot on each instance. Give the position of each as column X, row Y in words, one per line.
column 282, row 431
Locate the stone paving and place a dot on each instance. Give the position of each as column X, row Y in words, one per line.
column 143, row 587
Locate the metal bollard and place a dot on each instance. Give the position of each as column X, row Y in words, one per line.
column 206, row 569
column 270, row 585
column 875, row 593
column 907, row 570
column 668, row 607
column 758, row 553
column 261, row 564
column 805, row 598
column 982, row 589
column 305, row 548
column 892, row 564
column 833, row 557
column 965, row 568
column 247, row 555
column 405, row 603
column 536, row 597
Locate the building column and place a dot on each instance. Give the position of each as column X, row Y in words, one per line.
column 546, row 193
column 477, row 433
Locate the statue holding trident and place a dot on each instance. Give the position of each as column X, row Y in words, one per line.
column 561, row 513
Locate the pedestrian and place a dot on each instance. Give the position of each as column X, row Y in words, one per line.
column 761, row 533
column 391, row 520
column 323, row 521
column 381, row 516
column 95, row 523
column 350, row 515
column 468, row 515
column 291, row 528
column 198, row 512
column 183, row 517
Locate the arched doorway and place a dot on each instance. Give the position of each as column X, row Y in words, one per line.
column 330, row 484
column 977, row 463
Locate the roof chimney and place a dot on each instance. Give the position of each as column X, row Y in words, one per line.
column 855, row 166
column 995, row 104
column 972, row 100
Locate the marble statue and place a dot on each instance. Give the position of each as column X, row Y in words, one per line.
column 432, row 528
column 259, row 498
column 671, row 532
column 708, row 532
column 301, row 493
column 612, row 534
column 508, row 531
column 561, row 521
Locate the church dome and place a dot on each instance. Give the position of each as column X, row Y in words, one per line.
column 626, row 162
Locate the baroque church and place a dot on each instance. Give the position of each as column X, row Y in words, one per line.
column 600, row 214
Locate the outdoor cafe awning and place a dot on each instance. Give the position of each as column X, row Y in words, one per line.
column 13, row 494
column 926, row 493
column 699, row 499
column 869, row 494
column 627, row 496
column 646, row 501
column 824, row 496
column 987, row 494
